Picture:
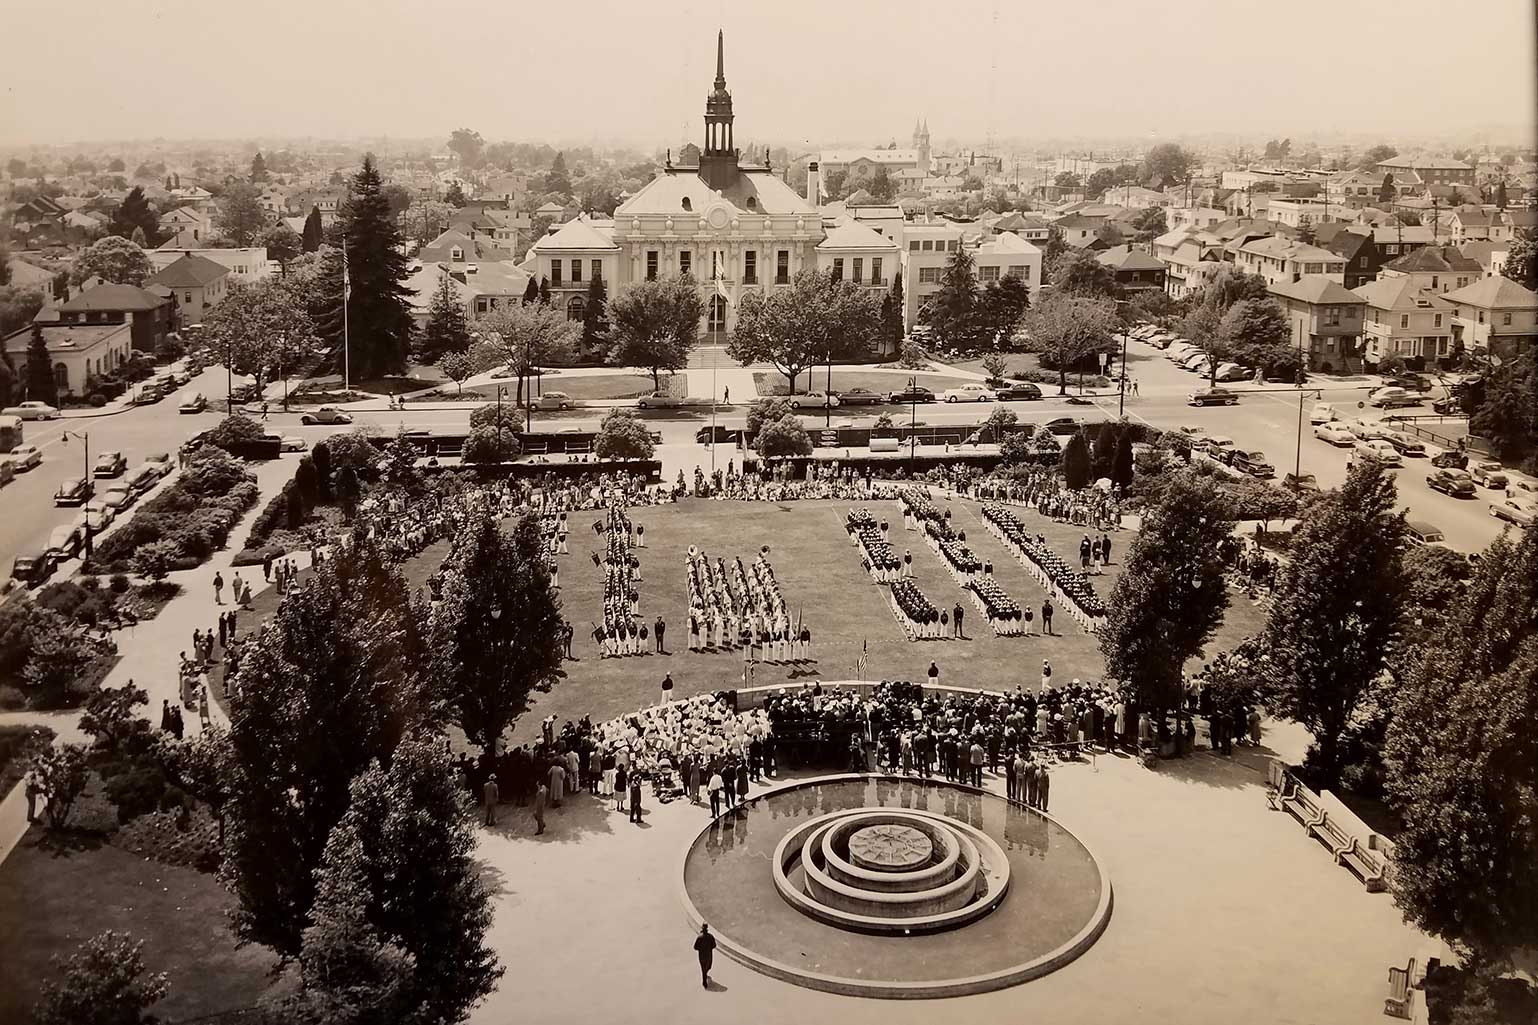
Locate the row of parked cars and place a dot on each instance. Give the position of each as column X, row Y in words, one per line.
column 1011, row 391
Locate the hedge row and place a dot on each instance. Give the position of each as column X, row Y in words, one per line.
column 196, row 512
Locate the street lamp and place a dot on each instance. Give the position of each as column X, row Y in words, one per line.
column 1121, row 402
column 84, row 436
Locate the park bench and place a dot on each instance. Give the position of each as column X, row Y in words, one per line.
column 536, row 448
column 1397, row 1003
column 579, row 447
column 1304, row 806
column 1278, row 783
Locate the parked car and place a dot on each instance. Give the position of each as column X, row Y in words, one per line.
column 326, row 415
column 161, row 461
column 74, row 491
column 1322, row 413
column 1214, row 397
column 99, row 515
column 1450, row 457
column 658, row 400
column 859, row 397
column 1018, row 391
column 1367, row 430
column 1253, row 463
column 1406, row 445
column 32, row 569
column 142, row 479
column 147, row 394
column 1335, row 434
column 968, row 393
column 912, row 393
column 24, row 457
column 1233, row 372
column 292, row 443
column 1448, row 406
column 1419, row 532
column 1456, row 483
column 1409, row 382
column 64, row 542
column 109, row 464
column 32, row 411
column 1489, row 473
column 1216, row 446
column 119, row 496
column 812, row 400
column 1520, row 485
column 1377, row 448
column 1064, row 426
column 553, row 400
column 1303, row 484
column 192, row 402
column 1194, row 363
column 1521, row 511
column 178, row 377
column 1392, row 397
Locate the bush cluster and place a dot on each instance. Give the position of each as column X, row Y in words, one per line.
column 196, row 513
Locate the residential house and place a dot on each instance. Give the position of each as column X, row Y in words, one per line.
column 1193, row 217
column 246, row 265
column 1032, row 227
column 187, row 220
column 1435, row 268
column 1495, row 314
column 150, row 316
column 1081, row 230
column 1298, row 213
column 1325, row 320
column 1491, row 256
column 1405, row 321
column 194, row 196
column 79, row 353
column 1190, row 258
column 1470, row 223
column 1355, row 247
column 1432, row 170
column 507, row 188
column 1353, row 189
column 36, row 212
column 196, row 283
column 1135, row 197
column 1136, row 271
column 481, row 287
column 1279, row 259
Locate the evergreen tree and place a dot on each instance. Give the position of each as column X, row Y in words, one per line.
column 531, row 292
column 953, row 311
column 1336, row 612
column 134, row 213
column 258, row 169
column 313, row 233
column 1508, row 412
column 446, row 329
column 544, row 291
column 40, row 384
column 1462, row 774
column 138, row 237
column 1105, row 449
column 455, row 196
column 1501, row 198
column 1522, row 258
column 558, row 180
column 893, row 315
column 1000, row 308
column 329, row 686
column 1121, row 464
column 1077, row 465
column 1170, row 597
column 9, row 380
column 595, row 317
column 496, row 632
column 379, row 310
column 1386, row 191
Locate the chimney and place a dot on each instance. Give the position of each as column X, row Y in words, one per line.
column 813, row 185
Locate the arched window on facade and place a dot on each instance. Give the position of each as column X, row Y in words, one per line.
column 576, row 307
column 687, row 204
column 61, row 375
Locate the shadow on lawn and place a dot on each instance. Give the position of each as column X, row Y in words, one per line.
column 1213, row 770
column 580, row 813
column 63, row 843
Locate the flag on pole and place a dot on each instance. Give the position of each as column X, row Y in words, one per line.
column 859, row 669
column 720, row 287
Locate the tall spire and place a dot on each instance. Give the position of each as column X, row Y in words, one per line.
column 720, row 59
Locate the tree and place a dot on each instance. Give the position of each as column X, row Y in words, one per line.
column 1501, row 199
column 816, row 319
column 1077, row 466
column 455, row 196
column 427, row 220
column 531, row 292
column 258, row 168
column 1375, row 156
column 1508, row 414
column 1255, row 333
column 1100, row 182
column 1336, row 610
column 61, row 771
column 283, row 244
column 113, row 259
column 1067, row 329
column 1170, row 597
column 1104, row 451
column 953, row 310
column 1001, row 306
column 595, row 317
column 994, row 366
column 105, row 983
column 10, row 380
column 39, row 383
column 1150, row 224
column 1387, row 191
column 400, row 464
column 783, row 437
column 457, row 367
column 496, row 633
column 109, row 714
column 622, row 436
column 1080, row 272
column 893, row 315
column 491, row 445
column 1522, row 258
column 833, row 185
column 1208, row 305
column 404, row 851
column 379, row 310
column 1461, row 772
column 330, row 685
column 313, row 231
column 881, row 186
column 1166, row 164
column 530, row 337
column 18, row 306
column 134, row 213
column 446, row 330
column 239, row 214
column 468, row 146
column 1121, row 463
column 1057, row 245
column 557, row 180
column 655, row 324
column 1067, row 180
column 261, row 329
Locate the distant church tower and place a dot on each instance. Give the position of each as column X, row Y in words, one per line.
column 718, row 161
column 921, row 143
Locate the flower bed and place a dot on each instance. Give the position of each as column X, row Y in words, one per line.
column 1070, row 586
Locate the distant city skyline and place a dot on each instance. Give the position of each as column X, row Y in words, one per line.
column 855, row 72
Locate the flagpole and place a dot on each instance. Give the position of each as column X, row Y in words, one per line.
column 346, row 337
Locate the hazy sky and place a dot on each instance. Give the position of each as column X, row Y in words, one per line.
column 827, row 70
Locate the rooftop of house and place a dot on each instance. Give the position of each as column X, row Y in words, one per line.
column 1495, row 293
column 1006, row 243
column 1434, row 260
column 1317, row 290
column 580, row 235
column 849, row 234
column 66, row 338
column 108, row 297
column 1126, row 258
column 191, row 271
column 1427, row 163
column 1277, row 247
column 1392, row 293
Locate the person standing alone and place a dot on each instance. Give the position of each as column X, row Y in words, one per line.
column 705, row 947
column 492, row 795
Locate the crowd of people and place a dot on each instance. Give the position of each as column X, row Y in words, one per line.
column 741, row 606
column 1060, row 580
column 1043, row 489
column 777, row 484
column 623, row 631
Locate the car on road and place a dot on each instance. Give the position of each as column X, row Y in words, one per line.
column 64, row 542
column 32, row 569
column 1335, row 434
column 1521, row 511
column 1456, row 483
column 1252, row 462
column 1322, row 413
column 1448, row 406
column 192, row 402
column 1451, row 457
column 1214, row 397
column 968, row 393
column 109, row 464
column 1303, row 484
column 74, row 491
column 178, row 377
column 119, row 496
column 659, row 400
column 141, row 479
column 98, row 515
column 1406, row 445
column 1419, row 532
column 1489, row 473
column 1382, row 451
column 24, row 457
column 292, row 443
column 721, row 433
column 32, row 411
column 859, row 397
column 326, row 415
column 556, row 400
column 1409, row 382
column 1017, row 392
column 161, row 461
column 912, row 393
column 1063, row 426
column 812, row 400
column 1391, row 397
column 147, row 394
column 1520, row 484
column 1367, row 430
column 1216, row 446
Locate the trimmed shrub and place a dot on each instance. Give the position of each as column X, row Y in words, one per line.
column 120, row 583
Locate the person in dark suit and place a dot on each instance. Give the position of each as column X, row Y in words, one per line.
column 705, row 947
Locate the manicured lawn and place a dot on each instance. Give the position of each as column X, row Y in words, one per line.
column 53, row 898
column 614, row 386
column 1027, row 364
column 772, row 382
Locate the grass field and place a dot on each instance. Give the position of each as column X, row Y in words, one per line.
column 772, row 382
column 614, row 386
column 821, row 578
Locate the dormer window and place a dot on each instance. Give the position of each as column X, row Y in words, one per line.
column 687, row 204
column 456, row 253
column 752, row 203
